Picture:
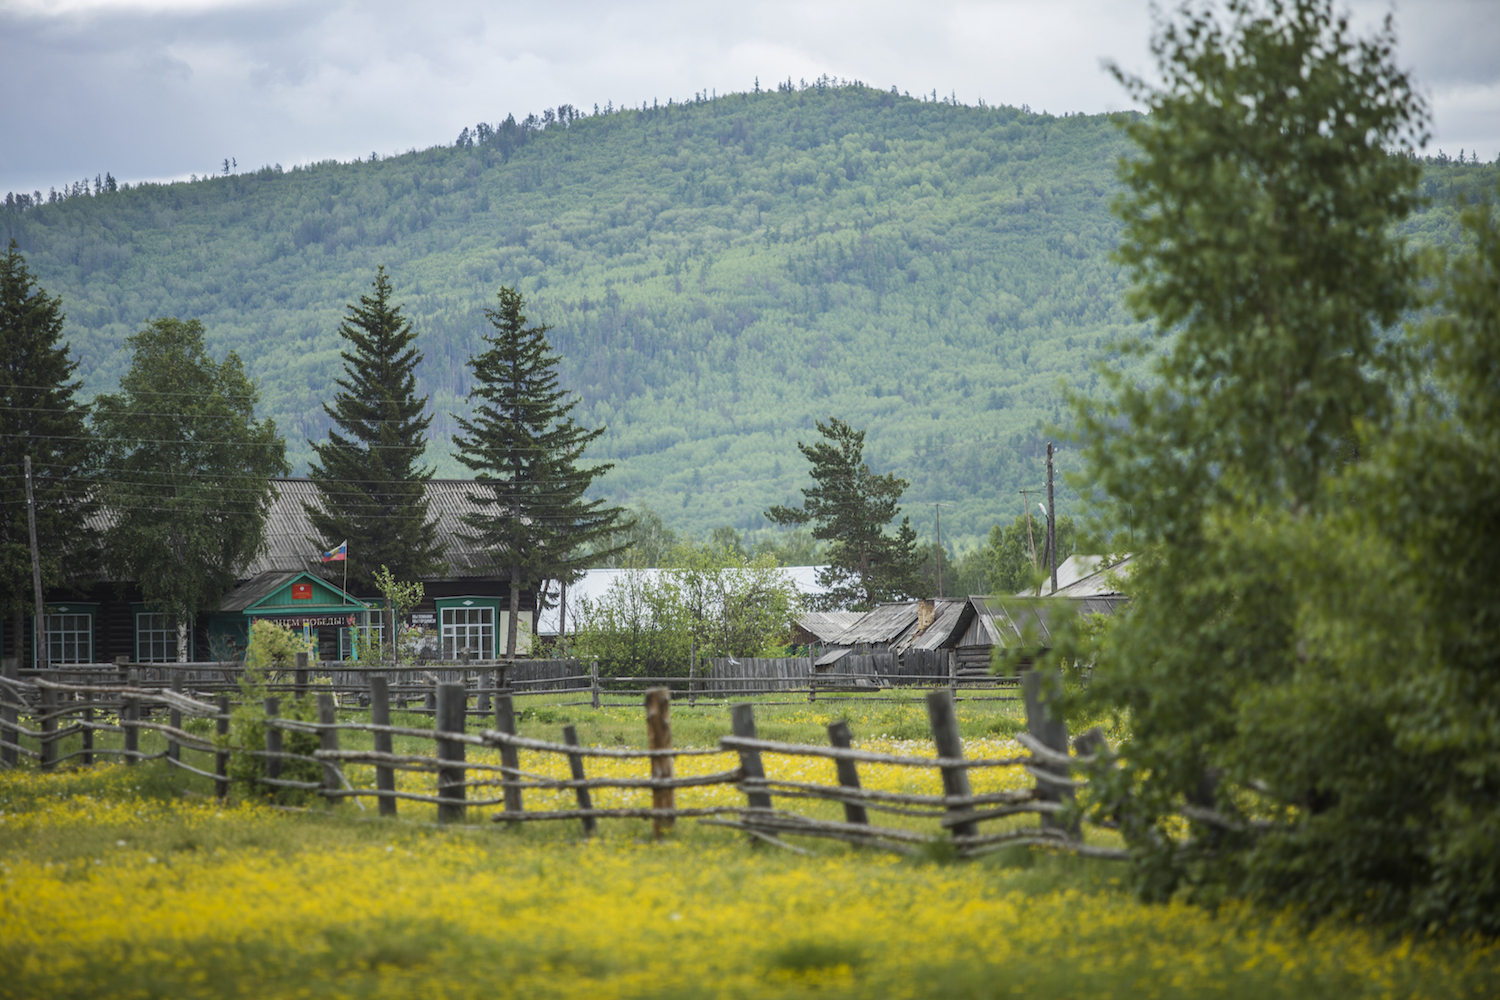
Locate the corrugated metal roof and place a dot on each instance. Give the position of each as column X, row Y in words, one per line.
column 824, row 625
column 257, row 587
column 1028, row 622
column 291, row 543
column 952, row 617
column 883, row 624
column 894, row 626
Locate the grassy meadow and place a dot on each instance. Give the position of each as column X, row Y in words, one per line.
column 136, row 882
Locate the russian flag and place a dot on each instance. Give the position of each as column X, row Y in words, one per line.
column 338, row 554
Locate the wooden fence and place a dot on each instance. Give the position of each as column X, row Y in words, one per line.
column 58, row 709
column 852, row 677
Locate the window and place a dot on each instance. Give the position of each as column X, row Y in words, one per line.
column 471, row 628
column 155, row 639
column 70, row 638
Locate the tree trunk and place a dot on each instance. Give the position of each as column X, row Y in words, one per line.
column 515, row 611
column 562, row 611
column 182, row 640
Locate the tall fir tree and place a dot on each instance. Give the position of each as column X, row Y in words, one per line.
column 850, row 507
column 41, row 418
column 525, row 449
column 372, row 487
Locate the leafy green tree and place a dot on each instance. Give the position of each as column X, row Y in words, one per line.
column 371, row 485
column 1260, row 232
column 189, row 489
column 850, row 507
column 525, row 449
column 42, row 419
column 1008, row 552
column 714, row 601
column 792, row 548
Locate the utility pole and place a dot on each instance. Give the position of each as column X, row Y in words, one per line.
column 1026, row 509
column 1051, row 520
column 36, row 573
column 939, row 510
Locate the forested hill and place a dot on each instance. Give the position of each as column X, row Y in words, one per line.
column 718, row 274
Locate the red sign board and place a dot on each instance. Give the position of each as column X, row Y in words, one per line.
column 301, row 591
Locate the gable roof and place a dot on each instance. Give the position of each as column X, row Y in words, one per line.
column 288, row 531
column 1083, row 576
column 263, row 585
column 1028, row 622
column 895, row 626
column 821, row 626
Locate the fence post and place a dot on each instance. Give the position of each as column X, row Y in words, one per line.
column 575, row 763
column 130, row 713
column 273, row 741
column 952, row 672
column 452, row 704
column 174, row 719
column 299, row 675
column 812, row 680
column 1040, row 687
column 10, row 667
column 659, row 737
column 594, row 680
column 505, row 722
column 482, row 685
column 838, row 735
column 693, row 672
column 88, row 730
column 221, row 758
column 49, row 728
column 380, row 715
column 742, row 722
column 328, row 739
column 944, row 721
column 122, row 668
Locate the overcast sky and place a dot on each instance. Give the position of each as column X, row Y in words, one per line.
column 156, row 89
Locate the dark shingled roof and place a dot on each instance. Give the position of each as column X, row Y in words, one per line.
column 292, row 545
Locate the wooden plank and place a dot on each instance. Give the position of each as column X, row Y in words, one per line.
column 659, row 737
column 742, row 722
column 174, row 719
column 221, row 758
column 1041, row 688
column 505, row 722
column 380, row 715
column 299, row 675
column 49, row 729
column 87, row 756
column 130, row 712
column 328, row 739
column 273, row 739
column 575, row 764
column 944, row 722
column 452, row 704
column 838, row 735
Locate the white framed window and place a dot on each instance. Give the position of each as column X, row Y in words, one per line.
column 471, row 628
column 155, row 638
column 70, row 637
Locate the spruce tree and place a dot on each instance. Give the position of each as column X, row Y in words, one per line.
column 372, row 487
column 850, row 507
column 40, row 418
column 525, row 448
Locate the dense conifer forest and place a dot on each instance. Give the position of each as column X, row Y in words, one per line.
column 718, row 273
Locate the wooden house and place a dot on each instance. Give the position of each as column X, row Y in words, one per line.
column 465, row 605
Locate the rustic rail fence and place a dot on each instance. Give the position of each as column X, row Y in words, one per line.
column 46, row 704
column 414, row 688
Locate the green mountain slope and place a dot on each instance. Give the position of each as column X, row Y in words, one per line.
column 719, row 275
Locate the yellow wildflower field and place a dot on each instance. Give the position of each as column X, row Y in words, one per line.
column 112, row 883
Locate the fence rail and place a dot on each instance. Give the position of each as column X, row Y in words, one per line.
column 461, row 784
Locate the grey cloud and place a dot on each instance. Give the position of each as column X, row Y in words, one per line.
column 161, row 93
